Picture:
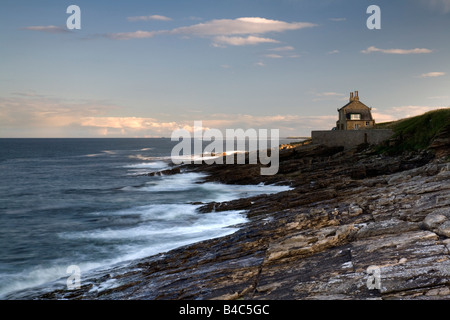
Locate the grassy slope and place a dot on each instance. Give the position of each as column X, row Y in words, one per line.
column 416, row 133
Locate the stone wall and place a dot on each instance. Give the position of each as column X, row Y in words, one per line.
column 350, row 138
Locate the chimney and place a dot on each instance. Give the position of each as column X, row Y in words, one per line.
column 351, row 96
column 356, row 96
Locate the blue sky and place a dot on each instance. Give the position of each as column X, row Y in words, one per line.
column 146, row 68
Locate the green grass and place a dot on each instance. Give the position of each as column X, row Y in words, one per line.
column 416, row 133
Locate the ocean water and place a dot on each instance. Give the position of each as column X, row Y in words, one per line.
column 88, row 202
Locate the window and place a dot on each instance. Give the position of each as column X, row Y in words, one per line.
column 355, row 116
column 367, row 123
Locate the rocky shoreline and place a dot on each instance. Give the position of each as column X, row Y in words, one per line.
column 348, row 210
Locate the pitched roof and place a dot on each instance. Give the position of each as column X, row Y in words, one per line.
column 358, row 104
column 357, row 107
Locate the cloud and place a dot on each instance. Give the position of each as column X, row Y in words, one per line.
column 273, row 56
column 132, row 35
column 131, row 123
column 241, row 26
column 330, row 96
column 148, row 18
column 438, row 97
column 250, row 26
column 135, row 126
column 241, row 41
column 397, row 51
column 35, row 115
column 432, row 74
column 401, row 112
column 48, row 29
column 36, row 111
column 281, row 49
column 281, row 52
column 287, row 124
column 333, row 52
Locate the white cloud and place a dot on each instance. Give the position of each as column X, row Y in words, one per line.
column 273, row 56
column 48, row 29
column 329, row 94
column 132, row 35
column 35, row 110
column 134, row 126
column 249, row 26
column 241, row 26
column 401, row 112
column 321, row 96
column 148, row 18
column 281, row 49
column 241, row 41
column 333, row 52
column 287, row 124
column 33, row 115
column 438, row 97
column 397, row 51
column 282, row 52
column 432, row 74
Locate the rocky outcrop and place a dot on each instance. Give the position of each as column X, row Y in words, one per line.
column 356, row 225
column 441, row 143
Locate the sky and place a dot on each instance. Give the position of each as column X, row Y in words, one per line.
column 147, row 68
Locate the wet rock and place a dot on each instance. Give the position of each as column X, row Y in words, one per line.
column 348, row 211
column 167, row 172
column 434, row 220
column 441, row 143
column 444, row 229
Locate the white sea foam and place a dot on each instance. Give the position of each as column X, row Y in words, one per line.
column 210, row 191
column 40, row 275
column 155, row 228
column 161, row 223
column 148, row 165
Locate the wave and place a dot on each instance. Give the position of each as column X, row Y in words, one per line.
column 168, row 222
column 206, row 191
column 148, row 165
column 160, row 223
column 160, row 229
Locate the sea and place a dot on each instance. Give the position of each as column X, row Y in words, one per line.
column 90, row 203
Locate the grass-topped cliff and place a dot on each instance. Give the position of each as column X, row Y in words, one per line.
column 417, row 133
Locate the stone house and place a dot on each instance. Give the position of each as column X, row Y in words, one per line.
column 355, row 115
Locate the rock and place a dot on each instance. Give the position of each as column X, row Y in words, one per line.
column 386, row 227
column 167, row 172
column 355, row 211
column 444, row 229
column 433, row 221
column 346, row 211
column 441, row 143
column 304, row 244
